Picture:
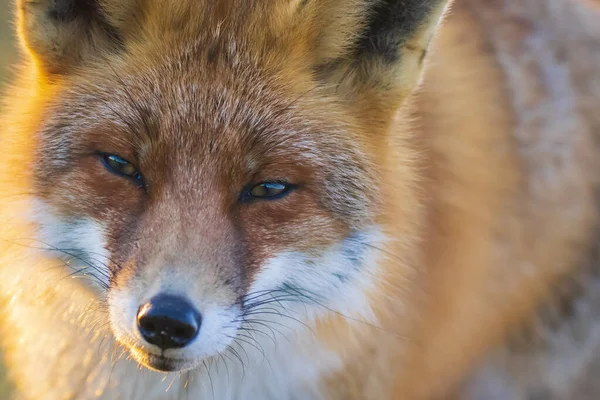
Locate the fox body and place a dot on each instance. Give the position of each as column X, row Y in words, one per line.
column 302, row 199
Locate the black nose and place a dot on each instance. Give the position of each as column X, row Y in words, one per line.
column 168, row 321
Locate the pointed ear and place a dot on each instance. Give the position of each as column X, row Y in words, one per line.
column 371, row 50
column 61, row 34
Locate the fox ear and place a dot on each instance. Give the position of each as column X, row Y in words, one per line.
column 371, row 48
column 60, row 34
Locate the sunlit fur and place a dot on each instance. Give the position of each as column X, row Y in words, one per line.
column 446, row 200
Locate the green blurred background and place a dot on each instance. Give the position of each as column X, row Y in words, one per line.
column 7, row 48
column 7, row 57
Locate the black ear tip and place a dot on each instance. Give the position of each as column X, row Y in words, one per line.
column 68, row 10
column 393, row 22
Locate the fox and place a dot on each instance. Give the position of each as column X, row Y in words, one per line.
column 302, row 199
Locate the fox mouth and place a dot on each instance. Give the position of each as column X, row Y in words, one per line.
column 161, row 363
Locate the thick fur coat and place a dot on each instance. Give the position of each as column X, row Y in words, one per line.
column 436, row 239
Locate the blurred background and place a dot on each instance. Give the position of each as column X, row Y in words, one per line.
column 7, row 57
column 7, row 48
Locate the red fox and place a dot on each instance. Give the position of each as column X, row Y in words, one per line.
column 302, row 199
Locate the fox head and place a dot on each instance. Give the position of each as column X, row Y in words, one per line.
column 212, row 163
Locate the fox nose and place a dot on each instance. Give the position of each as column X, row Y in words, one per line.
column 169, row 322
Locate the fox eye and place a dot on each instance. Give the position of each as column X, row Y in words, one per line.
column 120, row 166
column 267, row 191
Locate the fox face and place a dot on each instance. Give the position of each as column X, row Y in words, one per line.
column 207, row 173
column 257, row 203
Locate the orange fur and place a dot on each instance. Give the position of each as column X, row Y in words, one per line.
column 475, row 155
